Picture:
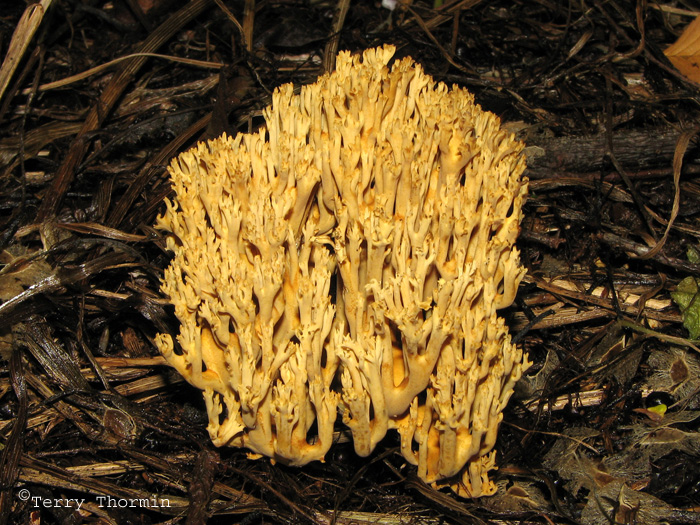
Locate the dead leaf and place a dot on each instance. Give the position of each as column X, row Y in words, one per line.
column 684, row 54
column 677, row 371
column 618, row 503
column 520, row 496
column 20, row 271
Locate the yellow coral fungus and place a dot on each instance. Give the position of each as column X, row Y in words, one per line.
column 405, row 196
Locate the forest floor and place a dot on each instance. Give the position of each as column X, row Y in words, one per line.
column 603, row 428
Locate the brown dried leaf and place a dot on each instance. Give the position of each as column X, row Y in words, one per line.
column 684, row 54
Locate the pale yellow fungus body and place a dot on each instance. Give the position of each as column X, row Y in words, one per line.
column 406, row 197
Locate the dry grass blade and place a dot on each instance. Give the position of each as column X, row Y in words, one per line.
column 102, row 231
column 146, row 175
column 681, row 148
column 64, row 82
column 109, row 96
column 24, row 32
column 435, row 41
column 12, row 451
column 65, row 277
column 54, row 359
column 248, row 23
column 453, row 8
column 234, row 21
column 34, row 141
column 640, row 250
column 374, row 518
column 331, row 49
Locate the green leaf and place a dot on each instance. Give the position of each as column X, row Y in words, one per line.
column 688, row 300
column 693, row 255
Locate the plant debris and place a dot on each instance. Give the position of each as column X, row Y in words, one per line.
column 97, row 97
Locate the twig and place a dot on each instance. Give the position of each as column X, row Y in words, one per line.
column 332, row 46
